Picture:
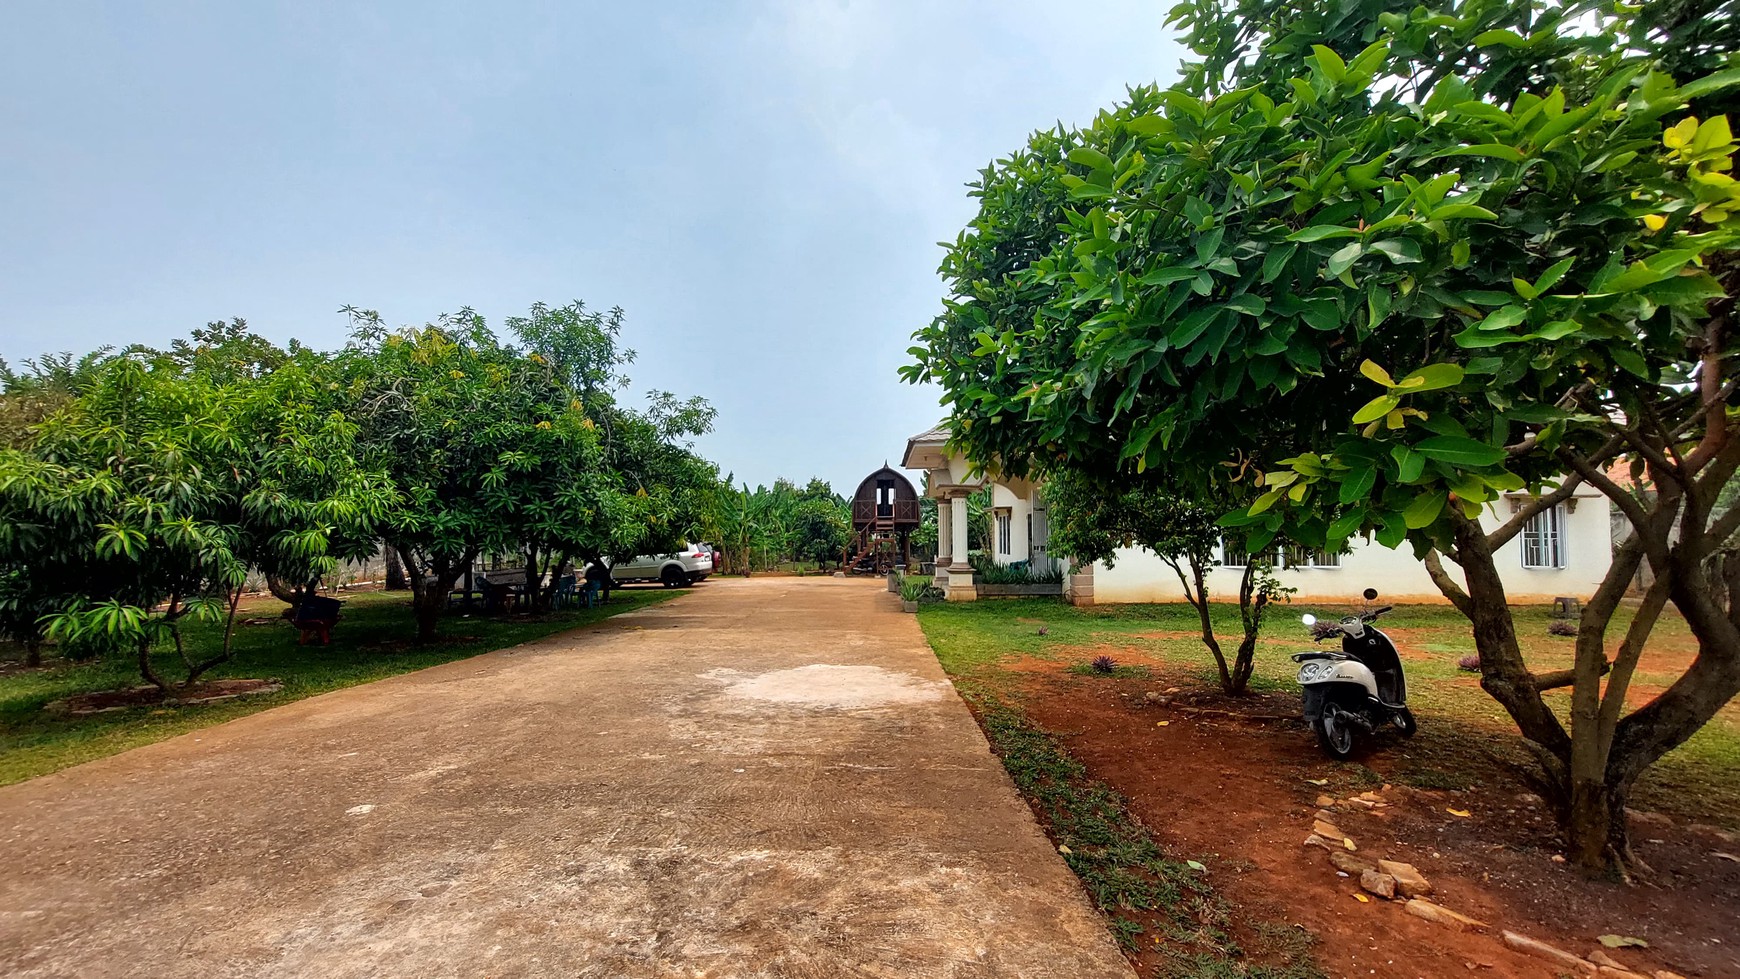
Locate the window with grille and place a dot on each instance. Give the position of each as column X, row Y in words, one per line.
column 1305, row 557
column 1543, row 539
column 1234, row 555
column 1005, row 532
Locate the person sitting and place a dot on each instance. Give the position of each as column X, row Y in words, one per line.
column 598, row 584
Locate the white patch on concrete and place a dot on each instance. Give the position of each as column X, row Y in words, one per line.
column 825, row 686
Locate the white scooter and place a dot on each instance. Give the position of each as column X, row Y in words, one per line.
column 1361, row 689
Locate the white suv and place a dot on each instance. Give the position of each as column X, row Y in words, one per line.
column 685, row 567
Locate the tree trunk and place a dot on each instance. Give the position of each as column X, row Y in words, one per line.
column 395, row 569
column 1196, row 593
column 227, row 652
column 290, row 594
column 428, row 599
column 145, row 669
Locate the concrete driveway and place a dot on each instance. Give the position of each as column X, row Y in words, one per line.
column 762, row 778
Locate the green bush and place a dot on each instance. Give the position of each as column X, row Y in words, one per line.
column 988, row 572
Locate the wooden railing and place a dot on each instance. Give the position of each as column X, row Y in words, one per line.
column 869, row 511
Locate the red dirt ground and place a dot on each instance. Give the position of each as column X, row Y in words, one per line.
column 1234, row 794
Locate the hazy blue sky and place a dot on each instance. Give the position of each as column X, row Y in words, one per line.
column 760, row 186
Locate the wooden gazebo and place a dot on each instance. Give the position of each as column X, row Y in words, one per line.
column 884, row 515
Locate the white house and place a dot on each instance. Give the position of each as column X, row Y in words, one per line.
column 1564, row 551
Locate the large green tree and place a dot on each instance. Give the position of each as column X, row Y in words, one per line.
column 150, row 496
column 1381, row 267
column 499, row 447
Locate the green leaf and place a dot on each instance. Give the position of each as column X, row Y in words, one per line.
column 1193, row 326
column 1343, row 259
column 1357, row 485
column 1424, row 510
column 1089, row 157
column 1631, row 360
column 1503, row 318
column 1460, row 451
column 1277, row 260
column 1266, row 501
column 1392, row 532
column 1474, row 339
column 1410, row 465
column 1376, row 408
column 1552, row 275
column 1344, row 526
column 1508, row 38
column 1497, row 151
column 1399, row 251
column 1167, row 276
column 1451, row 212
column 1319, row 232
column 1248, row 303
column 1329, row 63
column 1714, row 82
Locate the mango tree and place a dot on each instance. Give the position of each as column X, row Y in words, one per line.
column 147, row 498
column 1387, row 272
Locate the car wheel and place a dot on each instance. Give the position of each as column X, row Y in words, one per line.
column 673, row 578
column 1334, row 734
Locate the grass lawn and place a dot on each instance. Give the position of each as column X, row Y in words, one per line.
column 370, row 643
column 1700, row 780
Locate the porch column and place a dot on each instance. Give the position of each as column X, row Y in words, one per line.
column 960, row 570
column 944, row 542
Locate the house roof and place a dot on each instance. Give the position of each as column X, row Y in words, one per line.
column 924, row 450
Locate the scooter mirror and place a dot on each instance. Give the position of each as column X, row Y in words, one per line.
column 1309, row 619
column 1371, row 594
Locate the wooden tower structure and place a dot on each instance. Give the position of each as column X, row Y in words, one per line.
column 884, row 515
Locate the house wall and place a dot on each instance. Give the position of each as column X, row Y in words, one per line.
column 1003, row 497
column 1138, row 575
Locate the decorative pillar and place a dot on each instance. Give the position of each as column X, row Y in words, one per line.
column 944, row 540
column 1079, row 587
column 960, row 569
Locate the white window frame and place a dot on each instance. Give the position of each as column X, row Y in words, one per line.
column 1315, row 558
column 1227, row 554
column 1005, row 531
column 1544, row 541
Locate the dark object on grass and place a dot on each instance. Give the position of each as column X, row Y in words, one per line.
column 1104, row 664
column 1561, row 627
column 314, row 618
column 1043, row 631
column 1469, row 663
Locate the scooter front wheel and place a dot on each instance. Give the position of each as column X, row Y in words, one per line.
column 1334, row 734
column 1404, row 721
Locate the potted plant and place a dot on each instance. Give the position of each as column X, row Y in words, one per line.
column 911, row 590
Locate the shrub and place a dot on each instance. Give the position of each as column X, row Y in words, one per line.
column 988, row 572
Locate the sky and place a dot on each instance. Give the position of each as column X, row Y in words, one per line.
column 761, row 186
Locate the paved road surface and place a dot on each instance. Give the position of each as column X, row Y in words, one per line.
column 761, row 778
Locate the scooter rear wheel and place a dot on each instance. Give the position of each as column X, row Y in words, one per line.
column 1335, row 735
column 1404, row 721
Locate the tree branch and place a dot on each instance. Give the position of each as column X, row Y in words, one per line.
column 1510, row 528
